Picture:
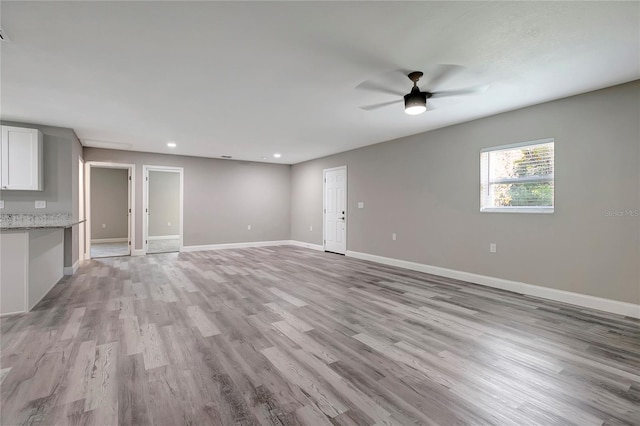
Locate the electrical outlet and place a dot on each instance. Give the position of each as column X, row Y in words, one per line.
column 492, row 247
column 104, row 225
column 393, row 236
column 360, row 205
column 168, row 223
column 248, row 227
column 310, row 228
column 41, row 204
column 1, row 204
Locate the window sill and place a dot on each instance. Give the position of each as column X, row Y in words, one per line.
column 542, row 210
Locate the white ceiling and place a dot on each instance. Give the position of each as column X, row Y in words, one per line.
column 248, row 79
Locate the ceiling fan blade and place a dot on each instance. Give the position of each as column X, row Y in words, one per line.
column 468, row 91
column 380, row 105
column 438, row 74
column 376, row 87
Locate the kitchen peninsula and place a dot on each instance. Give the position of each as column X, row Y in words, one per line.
column 31, row 257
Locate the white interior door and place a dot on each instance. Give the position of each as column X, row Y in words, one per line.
column 335, row 210
column 129, row 199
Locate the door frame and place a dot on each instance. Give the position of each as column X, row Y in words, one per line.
column 131, row 199
column 324, row 205
column 81, row 209
column 145, row 201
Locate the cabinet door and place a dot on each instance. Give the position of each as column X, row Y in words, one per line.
column 21, row 159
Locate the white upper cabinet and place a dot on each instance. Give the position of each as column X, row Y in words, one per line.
column 21, row 159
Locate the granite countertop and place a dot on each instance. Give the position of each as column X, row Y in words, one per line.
column 25, row 221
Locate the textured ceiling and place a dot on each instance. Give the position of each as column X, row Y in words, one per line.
column 248, row 79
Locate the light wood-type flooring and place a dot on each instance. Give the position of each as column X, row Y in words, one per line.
column 286, row 336
column 109, row 249
column 163, row 246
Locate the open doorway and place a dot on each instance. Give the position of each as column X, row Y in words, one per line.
column 109, row 207
column 162, row 209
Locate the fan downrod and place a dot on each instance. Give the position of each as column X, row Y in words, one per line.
column 415, row 76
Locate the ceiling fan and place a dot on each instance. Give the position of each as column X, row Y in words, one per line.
column 415, row 102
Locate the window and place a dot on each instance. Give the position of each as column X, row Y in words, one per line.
column 517, row 178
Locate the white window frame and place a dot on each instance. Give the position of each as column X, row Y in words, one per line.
column 517, row 209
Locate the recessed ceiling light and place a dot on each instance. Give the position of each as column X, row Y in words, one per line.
column 277, row 155
column 171, row 144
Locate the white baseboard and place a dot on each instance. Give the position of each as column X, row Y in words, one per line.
column 137, row 253
column 252, row 244
column 109, row 240
column 235, row 245
column 70, row 270
column 6, row 314
column 164, row 237
column 306, row 245
column 599, row 303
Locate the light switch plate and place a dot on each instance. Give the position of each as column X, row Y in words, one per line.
column 360, row 205
column 41, row 204
column 1, row 204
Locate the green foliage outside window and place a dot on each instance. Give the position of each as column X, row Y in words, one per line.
column 535, row 162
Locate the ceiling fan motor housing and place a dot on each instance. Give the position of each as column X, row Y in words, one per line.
column 415, row 101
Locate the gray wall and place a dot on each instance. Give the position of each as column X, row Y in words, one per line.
column 221, row 197
column 425, row 188
column 60, row 166
column 164, row 203
column 57, row 144
column 109, row 203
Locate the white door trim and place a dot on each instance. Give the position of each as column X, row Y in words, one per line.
column 132, row 198
column 82, row 252
column 145, row 201
column 324, row 202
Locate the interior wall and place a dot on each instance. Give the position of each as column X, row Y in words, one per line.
column 221, row 197
column 61, row 149
column 57, row 168
column 425, row 188
column 164, row 203
column 109, row 203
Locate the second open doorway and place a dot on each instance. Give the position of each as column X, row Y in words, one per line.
column 162, row 210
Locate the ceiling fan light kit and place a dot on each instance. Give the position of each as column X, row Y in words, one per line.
column 415, row 102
